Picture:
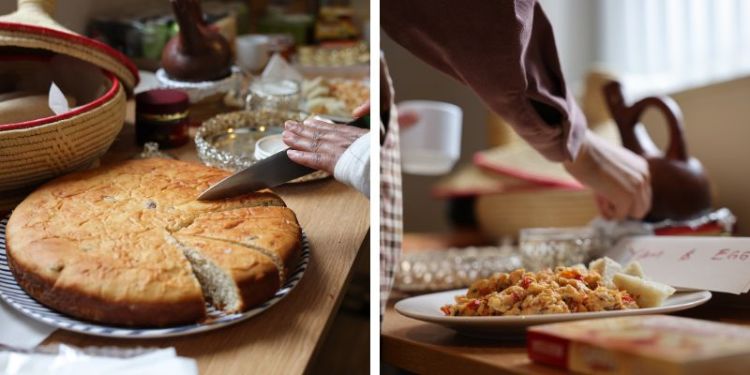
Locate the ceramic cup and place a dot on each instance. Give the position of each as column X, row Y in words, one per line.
column 252, row 51
column 432, row 145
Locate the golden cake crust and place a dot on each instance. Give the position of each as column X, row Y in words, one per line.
column 255, row 274
column 96, row 244
column 271, row 230
column 96, row 309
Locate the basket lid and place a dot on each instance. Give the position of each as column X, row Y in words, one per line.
column 32, row 26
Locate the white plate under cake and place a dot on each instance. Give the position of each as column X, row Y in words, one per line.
column 129, row 245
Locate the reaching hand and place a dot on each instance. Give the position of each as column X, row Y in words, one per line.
column 362, row 110
column 318, row 144
column 619, row 177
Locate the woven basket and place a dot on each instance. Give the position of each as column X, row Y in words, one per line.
column 35, row 151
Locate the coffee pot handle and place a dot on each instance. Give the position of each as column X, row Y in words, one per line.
column 676, row 149
column 627, row 118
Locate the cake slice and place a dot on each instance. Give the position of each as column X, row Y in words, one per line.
column 234, row 278
column 184, row 214
column 272, row 231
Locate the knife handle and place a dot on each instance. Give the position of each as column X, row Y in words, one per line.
column 361, row 122
column 297, row 168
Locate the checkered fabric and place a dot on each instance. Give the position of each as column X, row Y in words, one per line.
column 391, row 225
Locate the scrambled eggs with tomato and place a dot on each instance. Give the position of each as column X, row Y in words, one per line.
column 564, row 290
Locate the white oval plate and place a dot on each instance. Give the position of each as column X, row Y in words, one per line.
column 427, row 308
column 14, row 296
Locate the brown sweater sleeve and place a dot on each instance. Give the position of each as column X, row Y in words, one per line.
column 505, row 51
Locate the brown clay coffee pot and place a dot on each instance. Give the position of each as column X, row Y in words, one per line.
column 197, row 53
column 679, row 184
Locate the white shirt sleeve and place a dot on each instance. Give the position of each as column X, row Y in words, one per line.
column 353, row 167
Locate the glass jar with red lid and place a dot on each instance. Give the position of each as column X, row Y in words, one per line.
column 162, row 116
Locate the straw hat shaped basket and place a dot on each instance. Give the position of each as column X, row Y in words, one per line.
column 32, row 152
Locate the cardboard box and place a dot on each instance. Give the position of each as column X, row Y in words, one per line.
column 646, row 344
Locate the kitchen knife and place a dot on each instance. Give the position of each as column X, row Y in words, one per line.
column 272, row 171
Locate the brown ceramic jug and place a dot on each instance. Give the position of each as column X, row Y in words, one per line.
column 679, row 184
column 197, row 53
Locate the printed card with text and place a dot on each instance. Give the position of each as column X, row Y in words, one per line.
column 720, row 264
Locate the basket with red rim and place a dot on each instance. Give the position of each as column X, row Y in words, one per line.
column 98, row 77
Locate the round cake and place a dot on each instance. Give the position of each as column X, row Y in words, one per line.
column 130, row 245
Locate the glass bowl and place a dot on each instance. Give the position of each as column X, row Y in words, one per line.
column 551, row 247
column 228, row 140
column 453, row 268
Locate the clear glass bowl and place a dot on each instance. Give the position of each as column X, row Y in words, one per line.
column 453, row 268
column 550, row 247
column 227, row 141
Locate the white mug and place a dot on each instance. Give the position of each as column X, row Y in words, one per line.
column 432, row 145
column 252, row 51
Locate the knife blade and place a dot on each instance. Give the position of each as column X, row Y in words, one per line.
column 272, row 171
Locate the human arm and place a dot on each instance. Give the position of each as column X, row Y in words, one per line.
column 341, row 150
column 505, row 52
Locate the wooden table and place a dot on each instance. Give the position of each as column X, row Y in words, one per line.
column 428, row 348
column 285, row 338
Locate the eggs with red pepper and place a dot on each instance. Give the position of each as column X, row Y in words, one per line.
column 562, row 290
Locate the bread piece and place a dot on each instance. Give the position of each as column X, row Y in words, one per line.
column 646, row 293
column 634, row 269
column 607, row 268
column 98, row 244
column 234, row 278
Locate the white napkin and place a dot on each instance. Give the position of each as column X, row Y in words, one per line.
column 58, row 103
column 19, row 331
column 70, row 361
column 279, row 68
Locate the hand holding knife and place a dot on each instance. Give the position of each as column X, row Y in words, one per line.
column 276, row 169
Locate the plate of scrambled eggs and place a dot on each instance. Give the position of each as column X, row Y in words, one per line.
column 517, row 299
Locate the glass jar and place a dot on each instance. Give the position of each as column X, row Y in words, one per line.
column 161, row 116
column 273, row 94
